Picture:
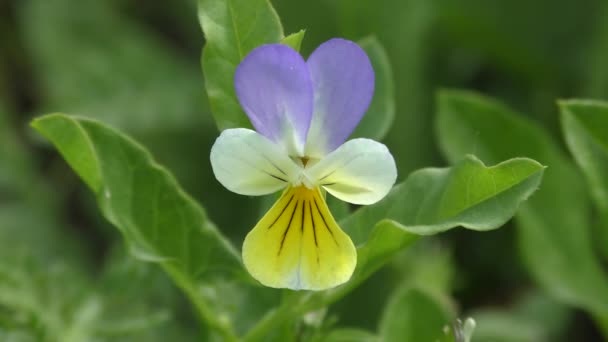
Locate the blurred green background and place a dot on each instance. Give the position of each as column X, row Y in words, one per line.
column 135, row 65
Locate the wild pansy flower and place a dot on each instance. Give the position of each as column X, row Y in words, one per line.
column 303, row 111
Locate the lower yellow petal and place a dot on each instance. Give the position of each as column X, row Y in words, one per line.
column 298, row 244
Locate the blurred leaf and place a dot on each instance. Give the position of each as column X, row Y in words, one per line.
column 553, row 225
column 381, row 112
column 34, row 293
column 18, row 180
column 531, row 317
column 94, row 61
column 499, row 326
column 429, row 201
column 232, row 29
column 36, row 263
column 294, row 40
column 413, row 314
column 17, row 336
column 585, row 126
column 595, row 76
column 429, row 264
column 507, row 33
column 158, row 220
column 40, row 302
column 350, row 335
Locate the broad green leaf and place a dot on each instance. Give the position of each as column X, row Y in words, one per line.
column 232, row 29
column 93, row 60
column 427, row 202
column 350, row 335
column 381, row 112
column 469, row 194
column 36, row 297
column 585, row 126
column 553, row 225
column 158, row 220
column 413, row 314
column 294, row 40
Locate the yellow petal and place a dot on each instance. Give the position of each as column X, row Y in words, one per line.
column 298, row 244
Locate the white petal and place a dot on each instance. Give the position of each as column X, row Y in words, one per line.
column 361, row 171
column 248, row 163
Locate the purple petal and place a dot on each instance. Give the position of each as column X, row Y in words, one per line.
column 274, row 88
column 343, row 81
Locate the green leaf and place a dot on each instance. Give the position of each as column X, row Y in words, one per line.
column 413, row 314
column 585, row 126
column 507, row 34
column 294, row 40
column 469, row 194
column 429, row 201
column 381, row 112
column 499, row 326
column 232, row 29
column 553, row 225
column 533, row 317
column 158, row 220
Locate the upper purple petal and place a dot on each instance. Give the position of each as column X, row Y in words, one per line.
column 343, row 82
column 274, row 88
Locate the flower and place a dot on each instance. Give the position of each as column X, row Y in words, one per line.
column 303, row 111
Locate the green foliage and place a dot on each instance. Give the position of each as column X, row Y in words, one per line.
column 415, row 315
column 585, row 126
column 232, row 29
column 469, row 194
column 533, row 317
column 383, row 229
column 163, row 225
column 554, row 227
column 124, row 66
column 39, row 257
column 159, row 221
